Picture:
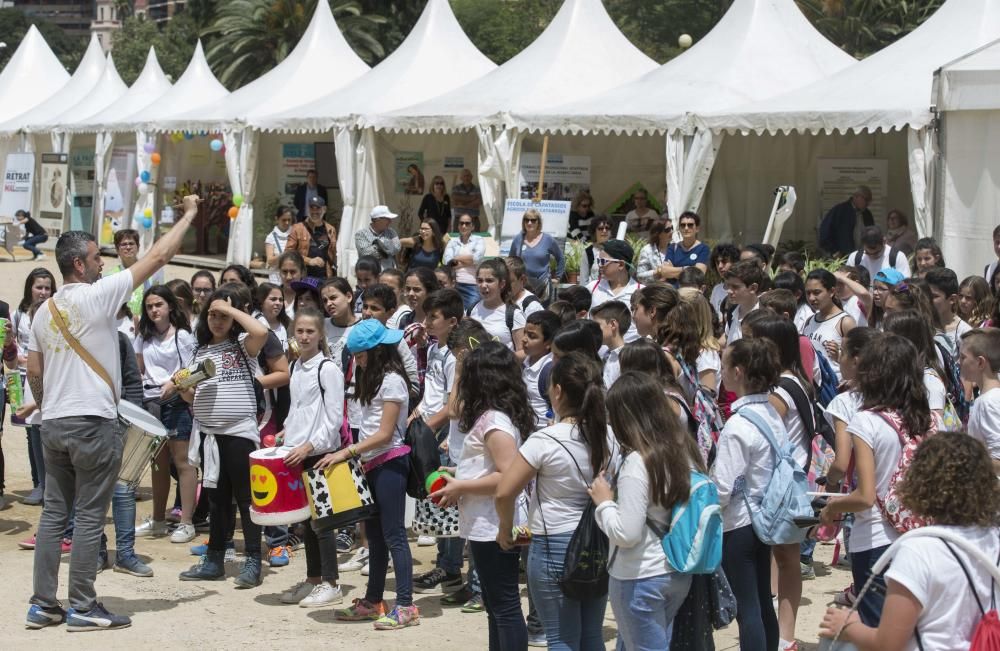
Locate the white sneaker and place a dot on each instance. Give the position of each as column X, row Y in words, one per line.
column 151, row 528
column 323, row 594
column 358, row 561
column 230, row 555
column 364, row 570
column 426, row 541
column 184, row 533
column 297, row 593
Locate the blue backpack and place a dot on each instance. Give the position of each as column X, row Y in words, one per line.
column 693, row 541
column 827, row 389
column 785, row 499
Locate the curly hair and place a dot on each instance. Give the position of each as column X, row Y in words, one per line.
column 951, row 480
column 891, row 377
column 491, row 379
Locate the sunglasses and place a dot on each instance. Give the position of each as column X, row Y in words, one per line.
column 604, row 228
column 438, row 183
column 687, row 226
column 605, row 261
column 202, row 291
column 465, row 223
column 668, row 230
column 531, row 220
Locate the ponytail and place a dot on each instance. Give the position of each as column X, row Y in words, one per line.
column 582, row 385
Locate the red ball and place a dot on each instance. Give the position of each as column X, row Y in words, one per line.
column 267, row 441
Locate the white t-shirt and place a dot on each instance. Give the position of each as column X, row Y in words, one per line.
column 871, row 530
column 531, row 307
column 393, row 322
column 530, row 373
column 71, row 387
column 793, row 423
column 984, row 421
column 477, row 516
column 853, row 307
column 875, row 265
column 281, row 332
column 802, row 315
column 22, row 330
column 735, row 330
column 393, row 390
column 951, row 338
column 612, row 367
column 719, row 294
column 843, row 407
column 559, row 485
column 926, row 568
column 937, row 395
column 495, row 321
column 162, row 358
column 438, row 381
column 314, row 415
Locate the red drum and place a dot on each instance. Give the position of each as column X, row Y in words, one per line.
column 277, row 494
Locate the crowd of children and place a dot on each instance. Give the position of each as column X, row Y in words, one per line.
column 593, row 407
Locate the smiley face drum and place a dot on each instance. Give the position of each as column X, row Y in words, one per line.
column 277, row 493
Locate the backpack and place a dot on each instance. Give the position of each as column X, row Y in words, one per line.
column 893, row 510
column 693, row 539
column 704, row 413
column 986, row 636
column 508, row 316
column 785, row 499
column 810, row 412
column 953, row 383
column 893, row 257
column 827, row 388
column 528, row 300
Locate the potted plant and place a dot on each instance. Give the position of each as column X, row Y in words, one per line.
column 571, row 258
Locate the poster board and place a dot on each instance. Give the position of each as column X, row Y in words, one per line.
column 565, row 176
column 839, row 178
column 555, row 220
column 52, row 192
column 297, row 158
column 81, row 179
column 117, row 194
column 409, row 173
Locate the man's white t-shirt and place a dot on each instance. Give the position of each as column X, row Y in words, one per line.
column 871, row 530
column 984, row 421
column 71, row 387
column 875, row 265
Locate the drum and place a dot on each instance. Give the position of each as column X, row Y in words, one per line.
column 144, row 435
column 339, row 495
column 277, row 493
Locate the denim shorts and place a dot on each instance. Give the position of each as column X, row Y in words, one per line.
column 175, row 415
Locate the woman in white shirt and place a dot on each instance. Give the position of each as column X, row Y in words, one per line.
column 464, row 253
column 894, row 403
column 654, row 253
column 750, row 369
column 655, row 475
column 935, row 589
column 563, row 459
column 277, row 239
column 910, row 325
column 845, row 405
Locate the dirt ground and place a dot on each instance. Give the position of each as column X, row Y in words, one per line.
column 215, row 615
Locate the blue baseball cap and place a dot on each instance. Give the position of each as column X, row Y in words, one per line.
column 889, row 276
column 370, row 333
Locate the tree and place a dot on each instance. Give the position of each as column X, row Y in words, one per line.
column 400, row 17
column 14, row 25
column 249, row 37
column 654, row 27
column 174, row 45
column 863, row 27
column 503, row 29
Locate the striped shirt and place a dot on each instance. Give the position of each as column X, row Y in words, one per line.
column 228, row 398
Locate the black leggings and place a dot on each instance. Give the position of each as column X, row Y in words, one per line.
column 747, row 564
column 234, row 481
column 321, row 547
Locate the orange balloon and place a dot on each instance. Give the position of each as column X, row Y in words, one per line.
column 155, row 158
column 233, row 211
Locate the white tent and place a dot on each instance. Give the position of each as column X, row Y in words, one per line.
column 31, row 77
column 967, row 96
column 760, row 48
column 887, row 91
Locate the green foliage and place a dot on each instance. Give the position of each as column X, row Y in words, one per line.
column 400, row 17
column 174, row 45
column 503, row 29
column 14, row 25
column 862, row 27
column 654, row 27
column 572, row 256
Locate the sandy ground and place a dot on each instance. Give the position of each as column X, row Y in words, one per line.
column 215, row 615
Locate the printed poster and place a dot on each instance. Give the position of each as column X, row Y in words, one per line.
column 117, row 194
column 81, row 179
column 296, row 159
column 410, row 173
column 565, row 176
column 52, row 192
column 839, row 178
column 555, row 220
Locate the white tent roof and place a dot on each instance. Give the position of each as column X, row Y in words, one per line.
column 580, row 54
column 86, row 76
column 436, row 42
column 32, row 75
column 108, row 89
column 888, row 90
column 758, row 49
column 149, row 86
column 196, row 88
column 321, row 61
column 972, row 82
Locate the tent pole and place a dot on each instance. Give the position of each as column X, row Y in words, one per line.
column 541, row 172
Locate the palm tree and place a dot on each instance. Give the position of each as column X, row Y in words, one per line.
column 249, row 37
column 863, row 27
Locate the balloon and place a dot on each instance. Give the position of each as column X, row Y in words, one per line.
column 148, row 212
column 144, row 176
column 177, row 137
column 154, row 158
column 138, row 181
column 147, row 222
column 215, row 144
column 143, row 188
column 149, row 147
column 188, row 135
column 233, row 212
column 237, row 199
column 202, row 133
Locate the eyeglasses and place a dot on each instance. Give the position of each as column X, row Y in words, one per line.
column 438, row 182
column 203, row 290
column 687, row 226
column 604, row 228
column 669, row 230
column 465, row 223
column 530, row 220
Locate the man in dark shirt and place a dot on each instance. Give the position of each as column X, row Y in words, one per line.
column 306, row 193
column 837, row 230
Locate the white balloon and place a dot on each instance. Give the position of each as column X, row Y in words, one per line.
column 685, row 41
column 143, row 188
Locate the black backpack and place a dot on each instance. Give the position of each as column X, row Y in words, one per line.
column 893, row 257
column 811, row 414
column 528, row 300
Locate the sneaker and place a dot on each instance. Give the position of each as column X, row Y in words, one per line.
column 184, row 533
column 474, row 605
column 202, row 525
column 364, row 570
column 102, row 561
column 345, row 541
column 151, row 528
column 459, row 597
column 358, row 561
column 35, row 497
column 96, row 619
column 202, row 549
column 323, row 594
column 785, row 645
column 132, row 565
column 295, row 542
column 398, row 617
column 278, row 556
column 808, row 571
column 27, row 543
column 537, row 640
column 846, row 597
column 426, row 541
column 249, row 576
column 296, row 593
column 437, row 580
column 40, row 617
column 360, row 610
column 40, row 256
column 174, row 516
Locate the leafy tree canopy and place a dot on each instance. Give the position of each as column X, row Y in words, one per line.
column 14, row 25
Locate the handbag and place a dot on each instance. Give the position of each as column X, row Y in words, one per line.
column 433, row 520
column 74, row 343
column 425, row 457
column 721, row 599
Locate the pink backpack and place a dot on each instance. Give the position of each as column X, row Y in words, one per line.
column 899, row 516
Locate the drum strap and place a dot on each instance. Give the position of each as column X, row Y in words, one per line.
column 74, row 343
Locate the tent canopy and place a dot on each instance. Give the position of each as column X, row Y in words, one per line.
column 436, row 42
column 758, row 49
column 32, row 76
column 888, row 90
column 108, row 90
column 580, row 54
column 149, row 86
column 971, row 82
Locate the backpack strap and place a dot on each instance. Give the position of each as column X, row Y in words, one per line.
column 758, row 422
column 468, row 311
column 572, row 458
column 805, row 411
column 319, row 379
column 968, row 578
column 509, row 318
column 528, row 300
column 857, row 257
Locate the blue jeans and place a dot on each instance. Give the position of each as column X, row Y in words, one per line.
column 747, row 563
column 569, row 624
column 870, row 608
column 387, row 532
column 645, row 609
column 32, row 240
column 498, row 572
column 123, row 515
column 469, row 293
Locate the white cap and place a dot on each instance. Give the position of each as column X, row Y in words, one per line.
column 380, row 212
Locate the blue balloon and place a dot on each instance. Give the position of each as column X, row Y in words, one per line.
column 202, row 133
column 215, row 144
column 144, row 175
column 147, row 222
column 188, row 135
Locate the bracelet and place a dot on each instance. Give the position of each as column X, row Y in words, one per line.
column 353, row 451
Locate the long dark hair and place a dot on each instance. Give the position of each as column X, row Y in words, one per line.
column 382, row 360
column 784, row 335
column 829, row 283
column 582, row 335
column 582, row 385
column 644, row 356
column 237, row 298
column 29, row 282
column 643, row 422
column 177, row 319
column 182, row 292
column 912, row 325
column 246, row 276
column 499, row 269
column 260, row 295
column 491, row 379
column 891, row 377
column 437, row 240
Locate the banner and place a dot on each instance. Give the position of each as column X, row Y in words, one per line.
column 117, row 194
column 410, row 173
column 565, row 176
column 81, row 170
column 16, row 185
column 296, row 159
column 555, row 220
column 52, row 193
column 839, row 178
